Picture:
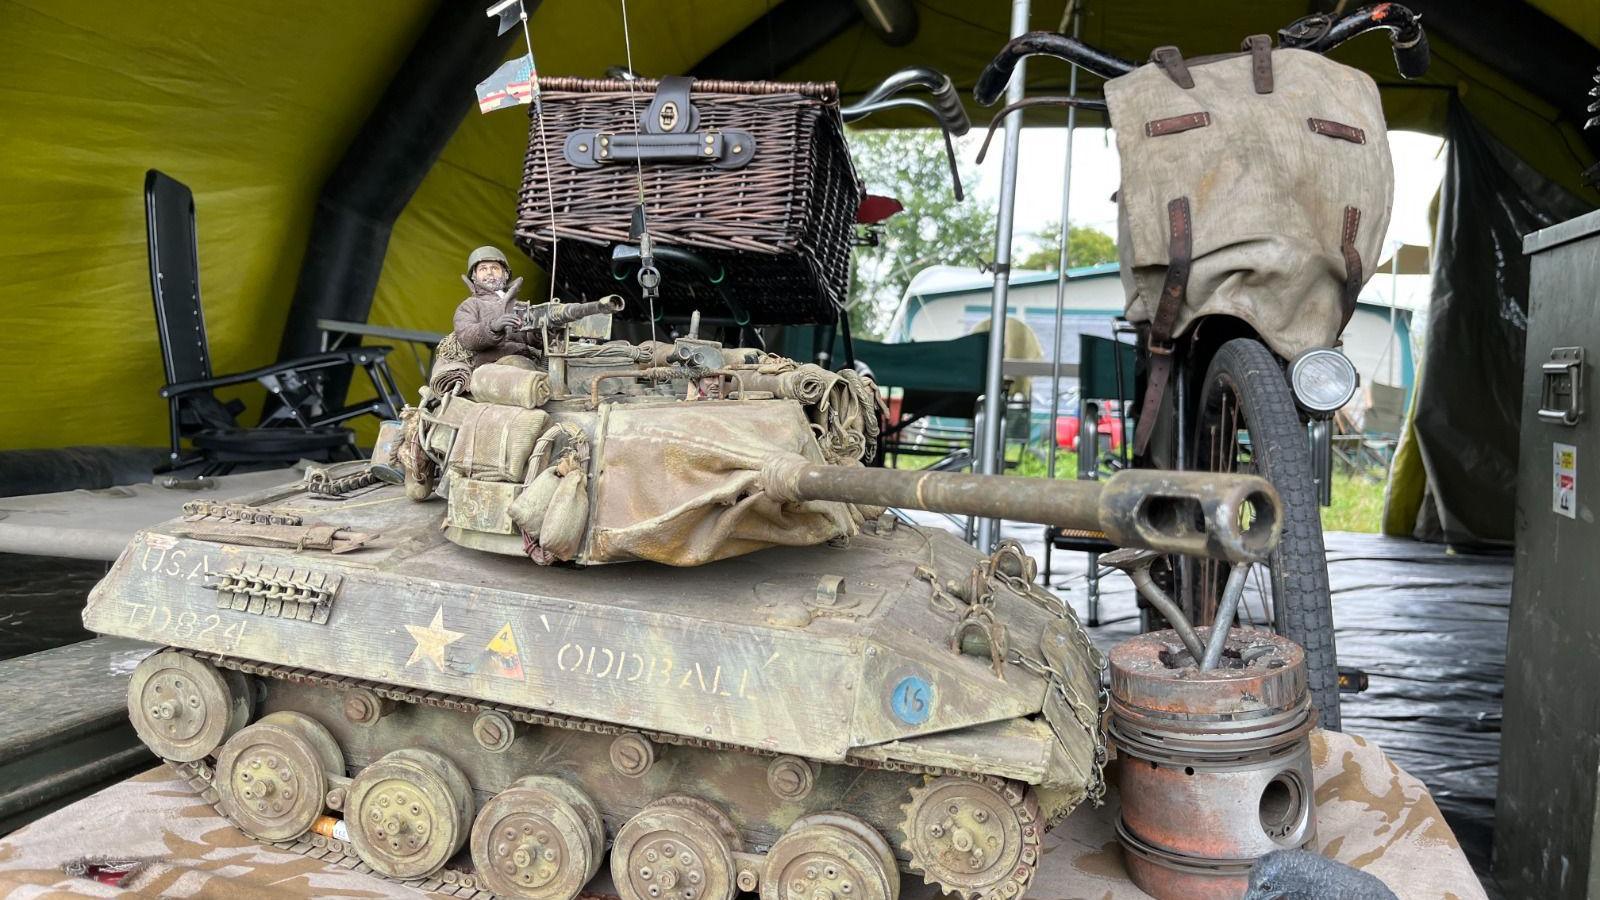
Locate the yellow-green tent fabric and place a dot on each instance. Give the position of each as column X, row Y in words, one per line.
column 252, row 105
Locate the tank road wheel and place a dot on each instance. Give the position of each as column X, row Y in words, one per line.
column 976, row 837
column 408, row 813
column 830, row 856
column 677, row 848
column 859, row 827
column 539, row 839
column 184, row 708
column 272, row 776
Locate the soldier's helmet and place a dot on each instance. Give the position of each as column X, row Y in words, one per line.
column 487, row 254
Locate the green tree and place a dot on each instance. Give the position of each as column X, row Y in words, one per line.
column 1088, row 247
column 910, row 166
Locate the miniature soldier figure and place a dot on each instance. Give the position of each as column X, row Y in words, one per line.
column 488, row 324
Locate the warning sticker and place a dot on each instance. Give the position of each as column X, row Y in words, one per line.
column 501, row 658
column 1564, row 487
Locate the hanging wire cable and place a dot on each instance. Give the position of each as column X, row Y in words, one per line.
column 538, row 114
column 638, row 158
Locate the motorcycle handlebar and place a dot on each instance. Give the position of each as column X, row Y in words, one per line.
column 1321, row 33
column 992, row 80
column 945, row 107
column 944, row 103
column 1317, row 33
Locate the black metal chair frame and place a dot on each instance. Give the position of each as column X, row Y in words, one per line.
column 296, row 386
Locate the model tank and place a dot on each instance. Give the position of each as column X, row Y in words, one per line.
column 777, row 687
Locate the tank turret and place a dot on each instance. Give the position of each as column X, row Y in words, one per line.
column 688, row 452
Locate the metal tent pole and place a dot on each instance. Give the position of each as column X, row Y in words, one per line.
column 1394, row 298
column 993, row 389
column 1061, row 276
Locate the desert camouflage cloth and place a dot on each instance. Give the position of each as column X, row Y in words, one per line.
column 1370, row 815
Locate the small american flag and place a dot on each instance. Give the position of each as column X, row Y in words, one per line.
column 510, row 85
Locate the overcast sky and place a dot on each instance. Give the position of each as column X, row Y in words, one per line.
column 1418, row 166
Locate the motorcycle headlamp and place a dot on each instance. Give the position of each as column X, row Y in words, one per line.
column 1323, row 380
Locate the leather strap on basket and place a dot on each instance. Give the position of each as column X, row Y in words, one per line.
column 666, row 132
column 1352, row 261
column 1180, row 254
column 1259, row 47
column 1170, row 61
column 670, row 112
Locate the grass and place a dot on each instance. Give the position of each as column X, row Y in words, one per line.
column 1357, row 497
column 1357, row 503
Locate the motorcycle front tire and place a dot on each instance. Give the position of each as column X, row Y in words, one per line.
column 1245, row 374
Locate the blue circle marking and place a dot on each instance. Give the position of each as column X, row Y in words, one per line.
column 912, row 700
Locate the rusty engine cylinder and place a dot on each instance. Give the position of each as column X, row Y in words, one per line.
column 1215, row 765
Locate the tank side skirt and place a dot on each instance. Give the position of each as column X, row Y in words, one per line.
column 529, row 717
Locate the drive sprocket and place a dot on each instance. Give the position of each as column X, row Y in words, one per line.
column 976, row 837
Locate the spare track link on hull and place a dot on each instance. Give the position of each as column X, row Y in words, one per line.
column 200, row 776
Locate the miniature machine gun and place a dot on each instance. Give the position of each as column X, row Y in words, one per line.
column 554, row 320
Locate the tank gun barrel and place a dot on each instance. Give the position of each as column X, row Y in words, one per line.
column 1227, row 516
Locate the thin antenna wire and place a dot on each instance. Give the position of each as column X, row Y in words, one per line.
column 538, row 112
column 638, row 158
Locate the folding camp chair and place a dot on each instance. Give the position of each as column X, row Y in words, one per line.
column 299, row 422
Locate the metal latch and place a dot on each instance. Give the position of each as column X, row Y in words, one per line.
column 1561, row 395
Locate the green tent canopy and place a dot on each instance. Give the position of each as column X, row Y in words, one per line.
column 254, row 104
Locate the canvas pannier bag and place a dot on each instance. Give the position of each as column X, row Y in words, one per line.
column 1255, row 185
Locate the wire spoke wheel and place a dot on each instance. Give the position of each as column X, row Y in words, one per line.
column 1247, row 422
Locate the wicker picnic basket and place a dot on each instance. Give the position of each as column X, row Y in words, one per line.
column 752, row 177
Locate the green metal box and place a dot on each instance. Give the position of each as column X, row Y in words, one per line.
column 1546, row 840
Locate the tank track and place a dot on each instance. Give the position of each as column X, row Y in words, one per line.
column 200, row 776
column 450, row 882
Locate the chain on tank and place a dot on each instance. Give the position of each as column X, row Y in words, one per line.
column 1088, row 717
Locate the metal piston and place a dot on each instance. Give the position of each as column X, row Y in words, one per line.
column 1215, row 765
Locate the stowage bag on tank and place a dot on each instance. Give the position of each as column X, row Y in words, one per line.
column 561, row 530
column 528, row 510
column 494, row 443
column 510, row 386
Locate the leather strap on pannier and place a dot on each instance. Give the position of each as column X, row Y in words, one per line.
column 1337, row 130
column 1170, row 61
column 1352, row 262
column 1177, row 124
column 1180, row 254
column 1260, row 49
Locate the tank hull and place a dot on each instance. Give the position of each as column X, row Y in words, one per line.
column 774, row 688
